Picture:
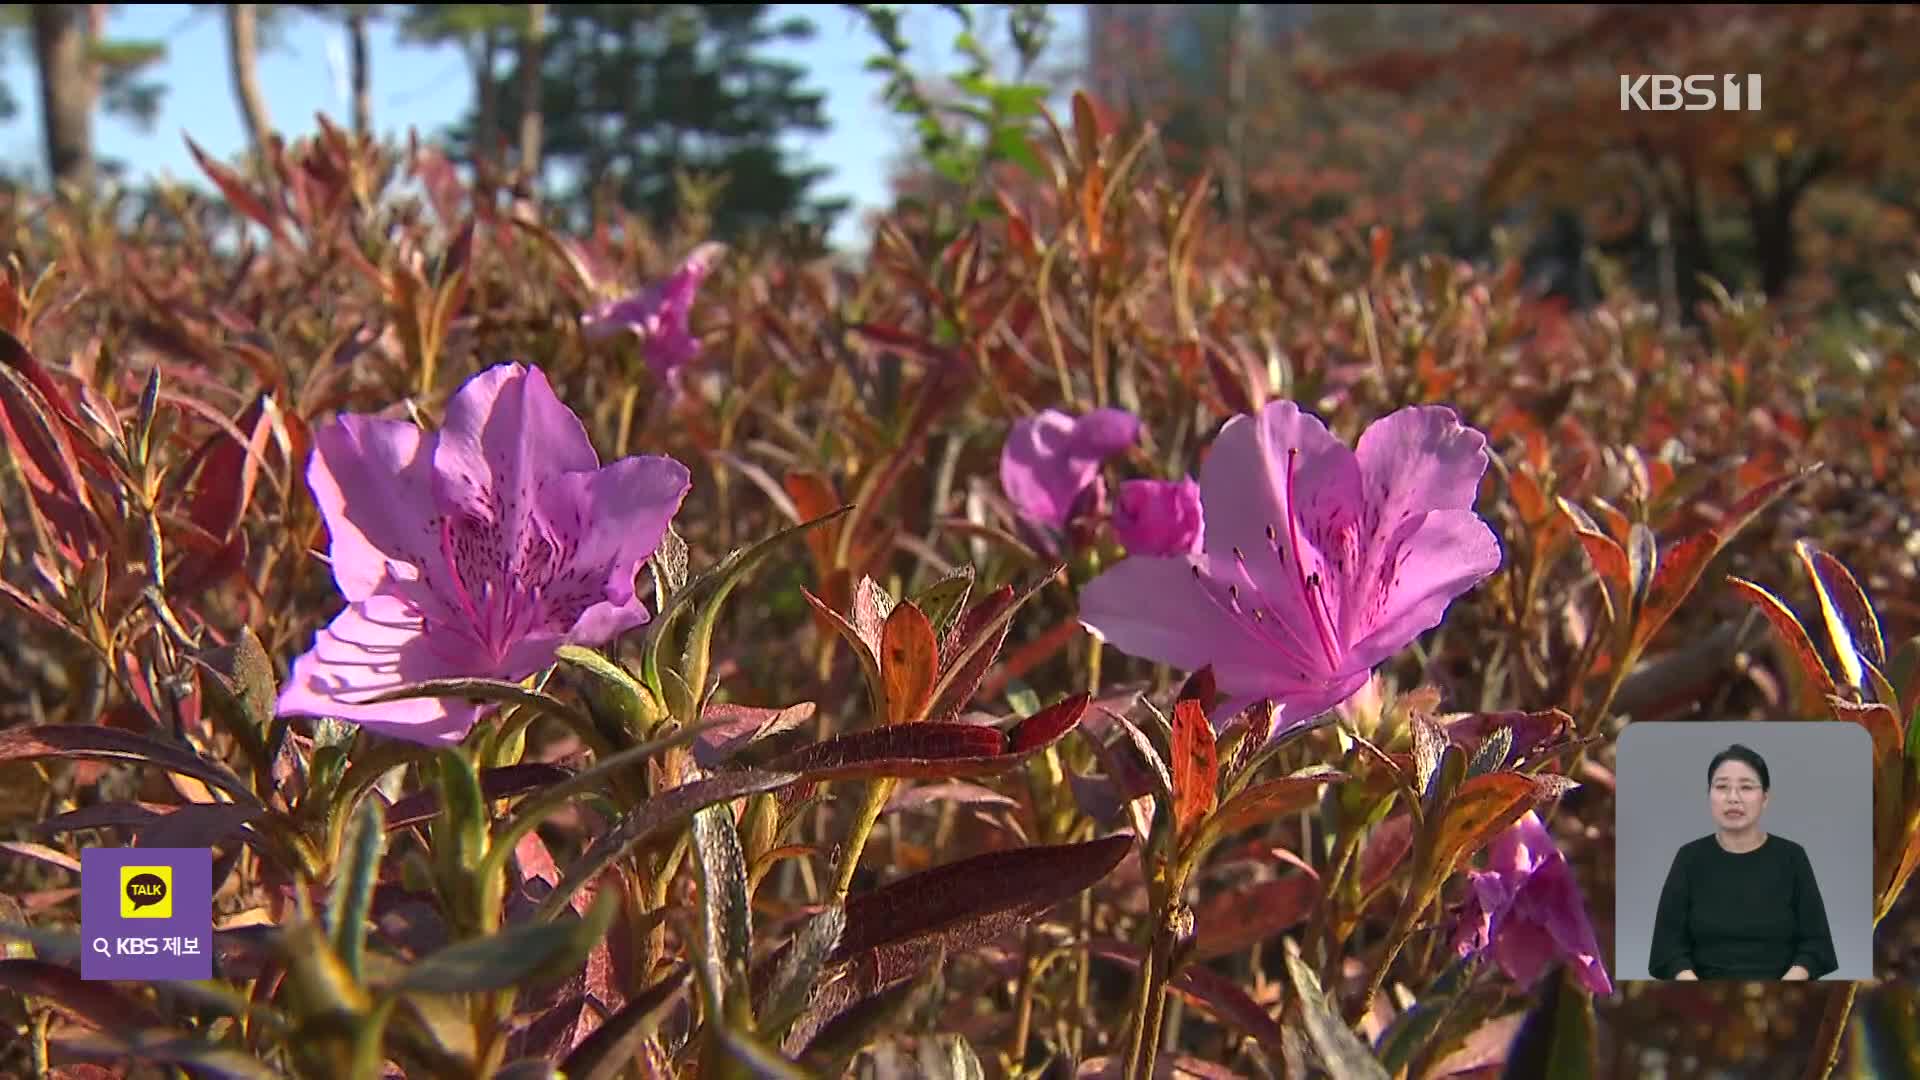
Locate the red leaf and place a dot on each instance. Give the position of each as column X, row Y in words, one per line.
column 1195, row 770
column 1048, row 725
column 236, row 192
column 909, row 663
column 1227, row 922
column 1682, row 565
column 112, row 744
column 931, row 750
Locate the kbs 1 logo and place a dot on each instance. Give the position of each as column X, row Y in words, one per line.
column 1691, row 93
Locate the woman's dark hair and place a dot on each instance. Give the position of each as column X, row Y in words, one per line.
column 1739, row 753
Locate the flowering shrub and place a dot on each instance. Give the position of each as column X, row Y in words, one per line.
column 745, row 668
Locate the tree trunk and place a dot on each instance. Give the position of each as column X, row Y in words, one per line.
column 359, row 76
column 243, row 51
column 532, row 57
column 487, row 123
column 68, row 88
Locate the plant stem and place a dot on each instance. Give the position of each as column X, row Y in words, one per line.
column 878, row 791
column 1396, row 940
column 1833, row 1026
column 1023, row 1015
column 1142, row 1006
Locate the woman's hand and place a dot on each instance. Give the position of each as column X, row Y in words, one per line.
column 1689, row 976
column 1796, row 973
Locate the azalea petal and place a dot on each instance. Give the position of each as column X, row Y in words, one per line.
column 505, row 434
column 612, row 521
column 374, row 645
column 1421, row 458
column 1154, row 609
column 1450, row 553
column 1102, row 433
column 1280, row 472
column 1415, row 461
column 1159, row 517
column 373, row 482
column 1293, row 704
column 1035, row 469
column 1523, row 949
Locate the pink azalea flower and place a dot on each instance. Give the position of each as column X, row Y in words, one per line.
column 1159, row 517
column 658, row 315
column 1319, row 562
column 1528, row 908
column 1051, row 460
column 474, row 551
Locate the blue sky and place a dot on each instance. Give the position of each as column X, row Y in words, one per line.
column 429, row 87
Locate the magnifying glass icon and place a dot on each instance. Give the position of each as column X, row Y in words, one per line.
column 100, row 946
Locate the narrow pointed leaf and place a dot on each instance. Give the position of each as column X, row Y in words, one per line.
column 736, row 564
column 504, row 782
column 528, row 952
column 1791, row 633
column 100, row 743
column 1272, row 799
column 651, row 820
column 1342, row 1051
column 1480, row 809
column 726, row 924
column 352, row 898
column 975, row 640
column 1643, row 561
column 945, row 598
column 1683, row 563
column 894, row 933
column 799, row 967
column 1492, row 753
column 1047, row 726
column 605, row 1053
column 1195, row 770
column 927, row 751
column 909, row 662
column 872, row 606
column 1557, row 1038
column 529, row 814
column 1429, row 742
column 869, row 662
column 1841, row 605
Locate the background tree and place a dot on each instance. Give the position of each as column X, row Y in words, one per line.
column 485, row 33
column 1715, row 192
column 80, row 70
column 634, row 96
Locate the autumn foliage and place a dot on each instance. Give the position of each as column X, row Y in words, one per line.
column 862, row 794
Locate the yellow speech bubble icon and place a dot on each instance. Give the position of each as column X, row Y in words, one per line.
column 146, row 892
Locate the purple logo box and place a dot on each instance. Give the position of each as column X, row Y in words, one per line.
column 132, row 929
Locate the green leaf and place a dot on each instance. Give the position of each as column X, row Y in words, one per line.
column 945, row 598
column 353, row 886
column 721, row 578
column 527, row 953
column 615, row 690
column 461, row 833
column 538, row 808
column 1492, row 753
column 799, row 969
column 726, row 925
column 651, row 819
column 1340, row 1050
column 1557, row 1037
column 1413, row 1030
